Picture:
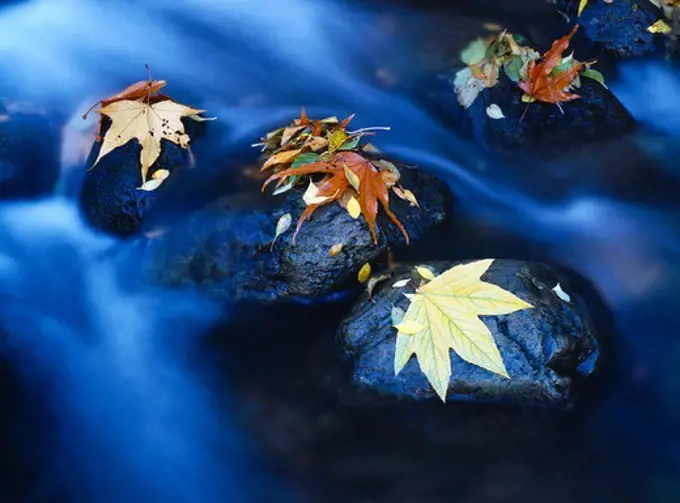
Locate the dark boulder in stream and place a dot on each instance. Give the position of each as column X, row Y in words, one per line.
column 619, row 27
column 228, row 253
column 29, row 154
column 110, row 198
column 538, row 130
column 549, row 351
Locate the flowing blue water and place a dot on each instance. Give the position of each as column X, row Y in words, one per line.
column 133, row 416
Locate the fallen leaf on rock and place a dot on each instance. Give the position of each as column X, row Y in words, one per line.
column 561, row 293
column 157, row 178
column 494, row 111
column 372, row 187
column 660, row 26
column 335, row 249
column 353, row 208
column 444, row 314
column 582, row 5
column 543, row 84
column 373, row 282
column 149, row 124
column 401, row 283
column 364, row 273
column 282, row 226
column 425, row 272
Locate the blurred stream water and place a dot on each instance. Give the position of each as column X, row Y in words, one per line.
column 128, row 405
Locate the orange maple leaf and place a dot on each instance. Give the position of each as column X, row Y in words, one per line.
column 372, row 187
column 542, row 85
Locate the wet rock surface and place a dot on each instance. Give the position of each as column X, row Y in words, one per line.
column 228, row 253
column 619, row 27
column 548, row 351
column 29, row 155
column 538, row 130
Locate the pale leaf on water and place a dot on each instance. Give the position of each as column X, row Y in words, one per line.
column 494, row 112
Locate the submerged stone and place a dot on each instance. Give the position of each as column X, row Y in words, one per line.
column 549, row 351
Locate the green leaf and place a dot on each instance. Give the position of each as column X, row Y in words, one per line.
column 593, row 74
column 351, row 143
column 305, row 158
column 513, row 67
column 474, row 52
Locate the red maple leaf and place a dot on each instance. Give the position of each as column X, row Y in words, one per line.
column 372, row 187
column 545, row 86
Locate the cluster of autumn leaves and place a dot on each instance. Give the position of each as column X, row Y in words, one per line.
column 350, row 175
column 336, row 166
column 549, row 78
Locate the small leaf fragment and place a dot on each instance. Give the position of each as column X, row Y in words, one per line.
column 494, row 111
column 305, row 158
column 409, row 327
column 285, row 157
column 282, row 226
column 397, row 315
column 336, row 139
column 582, row 5
column 353, row 208
column 593, row 74
column 561, row 293
column 401, row 283
column 157, row 179
column 474, row 52
column 364, row 273
column 660, row 26
column 335, row 250
column 352, row 178
column 373, row 282
column 311, row 195
column 425, row 273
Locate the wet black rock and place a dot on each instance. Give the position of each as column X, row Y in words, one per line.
column 226, row 251
column 549, row 350
column 29, row 155
column 110, row 198
column 538, row 130
column 619, row 27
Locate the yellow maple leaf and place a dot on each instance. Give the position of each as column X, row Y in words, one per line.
column 149, row 124
column 444, row 314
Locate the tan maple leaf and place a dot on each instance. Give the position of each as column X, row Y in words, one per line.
column 149, row 124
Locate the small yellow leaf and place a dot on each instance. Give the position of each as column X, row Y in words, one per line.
column 527, row 98
column 409, row 327
column 582, row 5
column 411, row 198
column 289, row 133
column 660, row 26
column 353, row 208
column 425, row 273
column 335, row 249
column 317, row 143
column 285, row 157
column 157, row 179
column 352, row 178
column 336, row 139
column 364, row 273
